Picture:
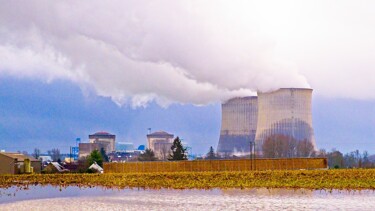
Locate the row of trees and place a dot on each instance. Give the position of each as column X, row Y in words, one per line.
column 354, row 159
column 54, row 153
column 282, row 146
column 278, row 146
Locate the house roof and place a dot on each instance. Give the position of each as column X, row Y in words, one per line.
column 19, row 156
column 96, row 167
column 59, row 167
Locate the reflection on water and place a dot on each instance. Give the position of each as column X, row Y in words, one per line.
column 97, row 198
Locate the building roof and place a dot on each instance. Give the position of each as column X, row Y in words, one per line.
column 141, row 147
column 19, row 156
column 45, row 158
column 96, row 167
column 160, row 134
column 58, row 167
column 102, row 134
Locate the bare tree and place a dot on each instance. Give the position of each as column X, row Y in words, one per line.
column 282, row 146
column 321, row 153
column 278, row 146
column 36, row 153
column 55, row 154
column 366, row 162
column 305, row 149
column 268, row 148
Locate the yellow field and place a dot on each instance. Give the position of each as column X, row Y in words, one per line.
column 216, row 165
column 311, row 179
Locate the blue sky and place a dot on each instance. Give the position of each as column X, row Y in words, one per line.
column 48, row 115
column 126, row 66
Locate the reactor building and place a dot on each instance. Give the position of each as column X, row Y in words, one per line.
column 286, row 111
column 238, row 126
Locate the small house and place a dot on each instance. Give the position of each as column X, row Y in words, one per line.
column 96, row 167
column 55, row 167
column 18, row 163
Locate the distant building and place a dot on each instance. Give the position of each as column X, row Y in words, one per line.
column 45, row 158
column 141, row 148
column 16, row 163
column 75, row 149
column 124, row 147
column 86, row 148
column 105, row 139
column 160, row 142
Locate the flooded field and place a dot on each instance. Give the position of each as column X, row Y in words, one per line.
column 97, row 198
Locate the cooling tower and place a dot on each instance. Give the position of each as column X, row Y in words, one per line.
column 287, row 112
column 238, row 126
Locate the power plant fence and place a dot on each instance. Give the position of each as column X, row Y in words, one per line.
column 217, row 165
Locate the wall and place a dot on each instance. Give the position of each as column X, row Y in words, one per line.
column 108, row 143
column 217, row 165
column 37, row 166
column 6, row 165
column 161, row 146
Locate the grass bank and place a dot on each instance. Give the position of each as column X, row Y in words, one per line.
column 355, row 179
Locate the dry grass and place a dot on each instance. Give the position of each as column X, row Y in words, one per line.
column 310, row 179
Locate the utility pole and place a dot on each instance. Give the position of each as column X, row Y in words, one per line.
column 252, row 155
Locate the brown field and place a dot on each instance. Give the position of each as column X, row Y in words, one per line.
column 350, row 179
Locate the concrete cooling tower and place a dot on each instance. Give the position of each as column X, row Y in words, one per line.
column 238, row 126
column 285, row 111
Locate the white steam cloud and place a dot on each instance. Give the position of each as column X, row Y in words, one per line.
column 165, row 51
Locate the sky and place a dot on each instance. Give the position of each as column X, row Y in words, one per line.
column 69, row 69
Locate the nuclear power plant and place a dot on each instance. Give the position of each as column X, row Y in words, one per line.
column 238, row 126
column 251, row 120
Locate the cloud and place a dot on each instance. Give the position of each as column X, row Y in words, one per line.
column 195, row 52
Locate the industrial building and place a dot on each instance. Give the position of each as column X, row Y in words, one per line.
column 286, row 112
column 107, row 140
column 17, row 163
column 85, row 149
column 238, row 126
column 160, row 142
column 251, row 120
column 124, row 147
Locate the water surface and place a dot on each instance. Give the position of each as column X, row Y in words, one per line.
column 98, row 198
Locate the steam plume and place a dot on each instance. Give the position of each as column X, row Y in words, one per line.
column 141, row 51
